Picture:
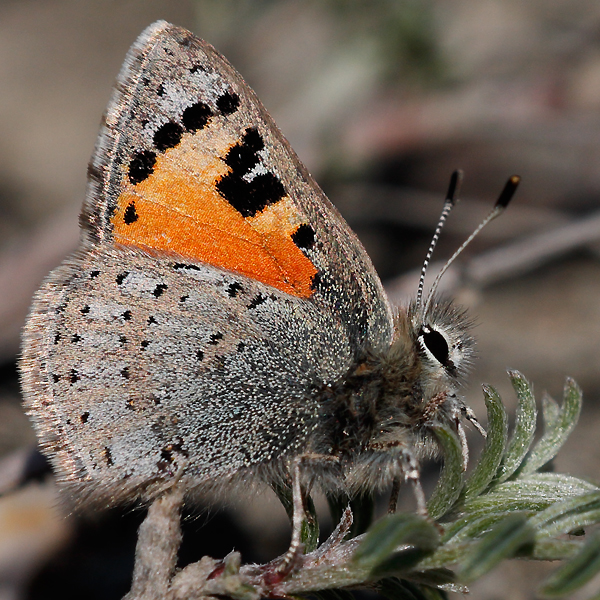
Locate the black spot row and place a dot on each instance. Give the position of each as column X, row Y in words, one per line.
column 169, row 134
column 249, row 197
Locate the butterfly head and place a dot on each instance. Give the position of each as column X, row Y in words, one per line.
column 443, row 340
column 437, row 332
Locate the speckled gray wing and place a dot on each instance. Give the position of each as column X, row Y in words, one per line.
column 142, row 365
column 140, row 369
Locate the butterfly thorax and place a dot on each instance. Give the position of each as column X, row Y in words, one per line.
column 389, row 398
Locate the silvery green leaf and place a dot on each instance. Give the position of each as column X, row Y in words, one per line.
column 525, row 424
column 495, row 444
column 557, row 428
column 450, row 483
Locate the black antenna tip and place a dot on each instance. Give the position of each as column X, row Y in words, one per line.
column 454, row 187
column 508, row 192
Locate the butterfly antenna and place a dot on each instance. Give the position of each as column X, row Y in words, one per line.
column 505, row 197
column 450, row 202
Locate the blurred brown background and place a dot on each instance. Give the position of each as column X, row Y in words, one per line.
column 381, row 100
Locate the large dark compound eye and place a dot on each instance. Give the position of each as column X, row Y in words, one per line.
column 436, row 343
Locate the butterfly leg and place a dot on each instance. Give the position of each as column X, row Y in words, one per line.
column 409, row 467
column 393, row 504
column 159, row 539
column 412, row 474
column 299, row 509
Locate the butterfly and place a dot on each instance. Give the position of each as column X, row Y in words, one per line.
column 220, row 323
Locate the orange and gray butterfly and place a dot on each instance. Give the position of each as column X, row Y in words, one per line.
column 219, row 315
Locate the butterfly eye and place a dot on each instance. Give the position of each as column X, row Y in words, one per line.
column 436, row 343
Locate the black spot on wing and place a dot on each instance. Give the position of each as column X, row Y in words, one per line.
column 258, row 300
column 243, row 157
column 233, row 289
column 141, row 166
column 196, row 116
column 228, row 103
column 215, row 337
column 304, row 237
column 159, row 290
column 167, row 136
column 130, row 216
column 183, row 266
column 121, row 277
column 248, row 196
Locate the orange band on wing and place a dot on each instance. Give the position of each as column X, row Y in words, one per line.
column 179, row 209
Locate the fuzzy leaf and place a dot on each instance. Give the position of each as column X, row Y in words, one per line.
column 500, row 543
column 524, row 431
column 495, row 443
column 389, row 533
column 450, row 483
column 576, row 572
column 557, row 428
column 572, row 513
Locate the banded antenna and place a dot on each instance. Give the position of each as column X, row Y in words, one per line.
column 503, row 200
column 450, row 202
